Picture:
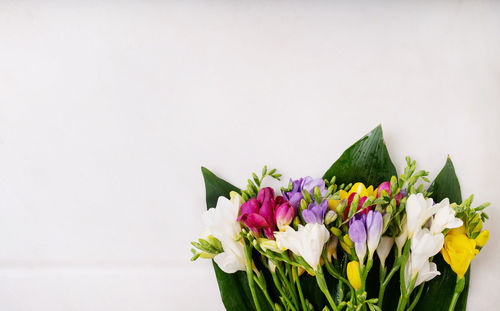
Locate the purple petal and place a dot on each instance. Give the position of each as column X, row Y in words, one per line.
column 309, row 217
column 374, row 223
column 295, row 199
column 357, row 231
column 310, row 184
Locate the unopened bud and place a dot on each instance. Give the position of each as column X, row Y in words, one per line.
column 341, row 206
column 336, row 231
column 317, row 195
column 332, row 248
column 303, row 205
column 330, row 217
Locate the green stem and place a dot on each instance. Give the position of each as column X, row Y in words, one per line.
column 279, row 287
column 262, row 286
column 335, row 274
column 383, row 272
column 454, row 301
column 290, row 286
column 417, row 297
column 459, row 287
column 320, row 279
column 248, row 254
column 401, row 303
column 367, row 268
column 402, row 259
column 386, row 282
column 299, row 288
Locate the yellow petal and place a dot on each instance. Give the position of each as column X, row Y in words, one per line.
column 358, row 188
column 460, row 230
column 482, row 238
column 353, row 274
column 458, row 251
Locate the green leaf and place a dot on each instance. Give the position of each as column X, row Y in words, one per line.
column 438, row 292
column 366, row 161
column 233, row 287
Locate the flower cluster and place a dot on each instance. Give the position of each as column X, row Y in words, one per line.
column 299, row 230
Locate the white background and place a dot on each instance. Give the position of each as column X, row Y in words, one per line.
column 108, row 110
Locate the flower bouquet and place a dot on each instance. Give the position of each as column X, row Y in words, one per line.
column 359, row 238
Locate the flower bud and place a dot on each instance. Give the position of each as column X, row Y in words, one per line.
column 341, row 206
column 332, row 248
column 272, row 266
column 336, row 231
column 271, row 245
column 394, row 184
column 384, row 187
column 482, row 238
column 353, row 274
column 303, row 205
column 284, row 215
column 384, row 248
column 330, row 217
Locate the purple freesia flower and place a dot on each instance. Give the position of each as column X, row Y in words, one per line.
column 357, row 233
column 307, row 183
column 374, row 224
column 315, row 213
column 357, row 228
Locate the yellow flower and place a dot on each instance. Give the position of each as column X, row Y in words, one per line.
column 360, row 189
column 353, row 274
column 482, row 238
column 332, row 204
column 458, row 251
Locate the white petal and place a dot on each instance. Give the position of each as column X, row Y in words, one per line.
column 427, row 273
column 384, row 248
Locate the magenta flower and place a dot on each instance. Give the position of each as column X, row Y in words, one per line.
column 258, row 213
column 284, row 214
column 386, row 186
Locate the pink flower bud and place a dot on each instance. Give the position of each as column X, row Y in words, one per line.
column 386, row 186
column 284, row 215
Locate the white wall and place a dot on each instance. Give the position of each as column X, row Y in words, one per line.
column 108, row 110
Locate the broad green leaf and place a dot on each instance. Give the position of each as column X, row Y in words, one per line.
column 438, row 292
column 366, row 161
column 234, row 289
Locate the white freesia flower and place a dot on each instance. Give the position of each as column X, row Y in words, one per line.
column 424, row 245
column 384, row 248
column 444, row 218
column 307, row 241
column 418, row 210
column 221, row 223
column 426, row 273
